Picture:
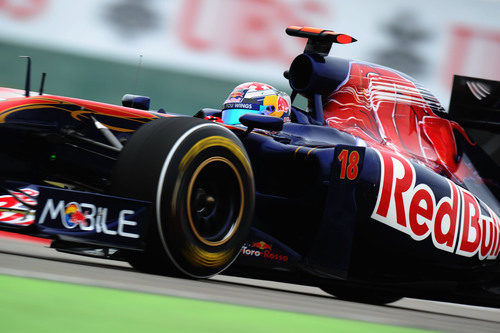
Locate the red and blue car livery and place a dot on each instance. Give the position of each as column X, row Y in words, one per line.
column 372, row 193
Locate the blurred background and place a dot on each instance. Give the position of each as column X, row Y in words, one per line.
column 193, row 52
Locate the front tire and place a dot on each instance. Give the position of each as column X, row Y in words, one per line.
column 199, row 179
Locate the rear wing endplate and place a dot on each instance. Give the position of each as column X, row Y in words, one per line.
column 475, row 103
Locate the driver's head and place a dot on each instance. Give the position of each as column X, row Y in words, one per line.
column 258, row 98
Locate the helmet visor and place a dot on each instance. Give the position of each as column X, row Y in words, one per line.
column 232, row 116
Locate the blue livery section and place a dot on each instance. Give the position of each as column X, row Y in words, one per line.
column 91, row 218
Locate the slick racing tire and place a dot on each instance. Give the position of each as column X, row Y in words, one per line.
column 200, row 182
column 361, row 294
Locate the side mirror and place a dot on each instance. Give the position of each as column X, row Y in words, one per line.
column 267, row 123
column 136, row 102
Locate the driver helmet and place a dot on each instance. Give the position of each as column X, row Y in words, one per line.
column 257, row 98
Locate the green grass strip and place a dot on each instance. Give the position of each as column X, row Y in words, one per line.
column 29, row 305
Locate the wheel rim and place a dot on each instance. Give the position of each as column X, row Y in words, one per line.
column 215, row 201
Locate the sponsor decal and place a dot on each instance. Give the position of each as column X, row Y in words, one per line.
column 246, row 106
column 247, row 251
column 262, row 245
column 234, row 97
column 262, row 249
column 88, row 217
column 242, row 106
column 7, row 202
column 457, row 223
column 74, row 216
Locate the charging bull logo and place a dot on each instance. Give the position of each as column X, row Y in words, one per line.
column 458, row 223
column 262, row 245
column 73, row 216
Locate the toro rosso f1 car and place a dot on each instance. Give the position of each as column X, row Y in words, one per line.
column 372, row 193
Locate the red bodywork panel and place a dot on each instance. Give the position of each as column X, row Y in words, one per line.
column 387, row 109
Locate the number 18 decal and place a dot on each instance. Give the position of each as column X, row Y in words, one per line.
column 349, row 166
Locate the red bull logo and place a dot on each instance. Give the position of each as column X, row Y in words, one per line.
column 234, row 97
column 458, row 223
column 262, row 245
column 88, row 217
column 73, row 215
column 264, row 251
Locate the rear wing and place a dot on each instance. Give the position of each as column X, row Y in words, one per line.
column 475, row 103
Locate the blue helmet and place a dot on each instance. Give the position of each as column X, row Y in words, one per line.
column 258, row 98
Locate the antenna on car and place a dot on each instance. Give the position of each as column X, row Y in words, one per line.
column 28, row 77
column 138, row 71
column 42, row 83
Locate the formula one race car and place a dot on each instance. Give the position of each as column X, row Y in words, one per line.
column 372, row 193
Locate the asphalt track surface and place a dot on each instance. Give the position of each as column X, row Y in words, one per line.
column 25, row 259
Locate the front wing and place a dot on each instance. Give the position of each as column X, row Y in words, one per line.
column 75, row 216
